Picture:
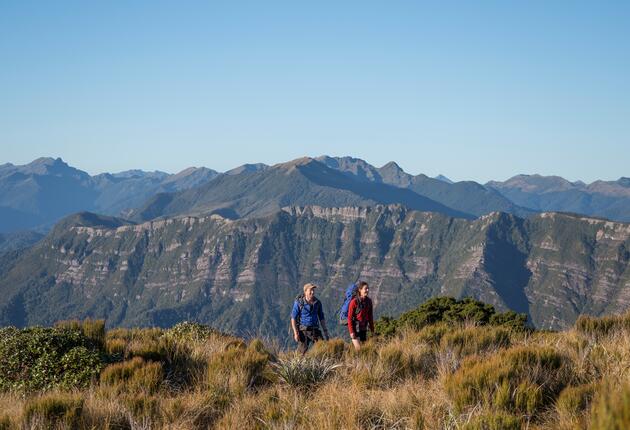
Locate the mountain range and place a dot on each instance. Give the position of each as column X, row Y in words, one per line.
column 231, row 249
column 36, row 195
column 242, row 275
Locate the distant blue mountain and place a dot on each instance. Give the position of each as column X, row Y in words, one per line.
column 607, row 199
column 36, row 195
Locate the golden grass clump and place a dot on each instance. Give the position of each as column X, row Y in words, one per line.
column 597, row 328
column 476, row 340
column 522, row 379
column 53, row 410
column 611, row 407
column 134, row 375
column 90, row 328
column 239, row 368
column 334, row 349
column 494, row 421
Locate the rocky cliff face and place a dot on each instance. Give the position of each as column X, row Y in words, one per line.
column 243, row 275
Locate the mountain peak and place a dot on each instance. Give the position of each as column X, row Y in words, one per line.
column 247, row 168
column 443, row 179
column 392, row 165
column 303, row 161
column 52, row 166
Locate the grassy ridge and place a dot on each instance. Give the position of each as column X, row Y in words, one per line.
column 438, row 372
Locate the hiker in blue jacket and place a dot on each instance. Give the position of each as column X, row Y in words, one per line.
column 306, row 316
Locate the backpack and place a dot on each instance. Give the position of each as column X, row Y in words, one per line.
column 301, row 301
column 351, row 292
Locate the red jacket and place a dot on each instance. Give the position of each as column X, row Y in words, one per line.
column 363, row 318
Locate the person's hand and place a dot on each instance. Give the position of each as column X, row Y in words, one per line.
column 296, row 336
column 353, row 336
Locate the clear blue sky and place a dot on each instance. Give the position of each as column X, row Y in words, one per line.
column 474, row 91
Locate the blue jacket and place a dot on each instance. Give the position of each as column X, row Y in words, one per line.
column 310, row 316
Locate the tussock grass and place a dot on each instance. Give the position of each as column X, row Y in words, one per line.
column 54, row 410
column 522, row 379
column 305, row 372
column 611, row 410
column 597, row 328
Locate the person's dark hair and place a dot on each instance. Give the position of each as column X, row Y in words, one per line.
column 362, row 284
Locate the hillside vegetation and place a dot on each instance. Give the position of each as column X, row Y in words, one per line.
column 447, row 364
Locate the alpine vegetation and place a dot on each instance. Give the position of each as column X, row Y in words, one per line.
column 448, row 364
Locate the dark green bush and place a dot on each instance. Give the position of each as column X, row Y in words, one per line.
column 451, row 311
column 39, row 358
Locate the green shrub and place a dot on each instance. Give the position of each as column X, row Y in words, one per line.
column 494, row 421
column 611, row 408
column 54, row 410
column 451, row 311
column 522, row 379
column 509, row 319
column 38, row 358
column 79, row 367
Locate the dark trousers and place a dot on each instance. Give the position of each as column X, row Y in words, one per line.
column 308, row 335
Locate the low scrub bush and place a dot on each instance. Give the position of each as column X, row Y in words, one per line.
column 522, row 379
column 53, row 410
column 39, row 358
column 451, row 311
column 304, row 372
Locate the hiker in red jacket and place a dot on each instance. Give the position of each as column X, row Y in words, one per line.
column 360, row 315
